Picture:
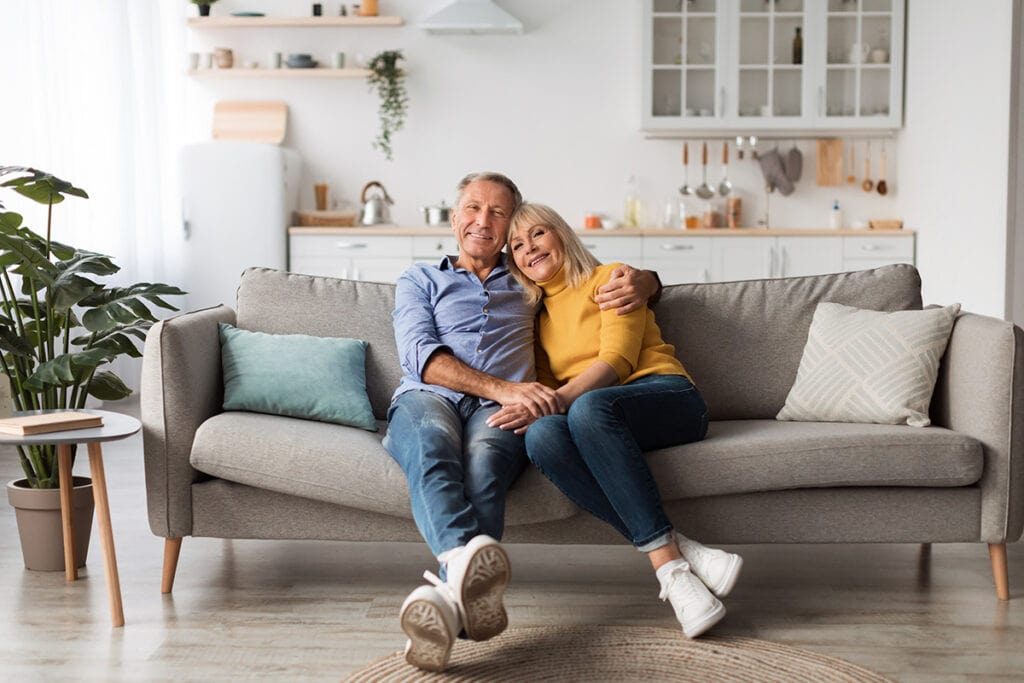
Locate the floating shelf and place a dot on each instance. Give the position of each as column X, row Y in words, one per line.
column 303, row 22
column 279, row 73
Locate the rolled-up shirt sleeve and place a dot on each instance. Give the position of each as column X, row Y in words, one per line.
column 416, row 332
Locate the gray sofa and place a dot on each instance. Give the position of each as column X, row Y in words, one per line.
column 753, row 480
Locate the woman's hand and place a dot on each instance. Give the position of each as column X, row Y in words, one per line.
column 513, row 417
column 534, row 397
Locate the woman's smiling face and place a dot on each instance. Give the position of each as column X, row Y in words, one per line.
column 537, row 251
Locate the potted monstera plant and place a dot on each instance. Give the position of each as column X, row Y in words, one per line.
column 60, row 328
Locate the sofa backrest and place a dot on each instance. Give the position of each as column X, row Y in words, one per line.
column 742, row 341
column 277, row 302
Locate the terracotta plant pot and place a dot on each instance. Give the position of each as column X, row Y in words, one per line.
column 39, row 523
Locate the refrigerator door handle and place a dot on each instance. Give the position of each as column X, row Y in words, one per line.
column 186, row 228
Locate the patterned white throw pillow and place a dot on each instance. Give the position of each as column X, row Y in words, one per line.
column 869, row 366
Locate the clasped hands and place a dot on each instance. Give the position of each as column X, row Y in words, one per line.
column 524, row 402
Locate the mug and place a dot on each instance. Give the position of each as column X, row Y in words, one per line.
column 206, row 60
column 859, row 53
column 225, row 57
column 275, row 60
column 193, row 61
column 339, row 60
column 879, row 56
column 320, row 194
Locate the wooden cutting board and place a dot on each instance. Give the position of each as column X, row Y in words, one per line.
column 250, row 121
column 830, row 162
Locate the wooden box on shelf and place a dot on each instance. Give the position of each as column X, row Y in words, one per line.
column 342, row 219
column 888, row 224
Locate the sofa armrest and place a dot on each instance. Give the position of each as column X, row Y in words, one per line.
column 980, row 392
column 182, row 387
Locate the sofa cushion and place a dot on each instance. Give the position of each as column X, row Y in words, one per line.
column 337, row 464
column 297, row 375
column 869, row 366
column 743, row 456
column 284, row 303
column 742, row 341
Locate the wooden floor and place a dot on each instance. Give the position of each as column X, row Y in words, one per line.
column 288, row 611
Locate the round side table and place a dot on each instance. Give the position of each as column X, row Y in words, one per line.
column 115, row 426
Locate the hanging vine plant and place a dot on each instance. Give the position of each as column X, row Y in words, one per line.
column 389, row 80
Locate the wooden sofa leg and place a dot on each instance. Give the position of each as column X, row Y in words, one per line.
column 172, row 547
column 997, row 553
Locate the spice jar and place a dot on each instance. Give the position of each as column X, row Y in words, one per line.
column 734, row 212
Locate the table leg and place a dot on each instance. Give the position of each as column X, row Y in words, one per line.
column 67, row 486
column 99, row 492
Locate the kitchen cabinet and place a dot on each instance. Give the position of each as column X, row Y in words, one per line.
column 678, row 260
column 716, row 255
column 377, row 258
column 730, row 65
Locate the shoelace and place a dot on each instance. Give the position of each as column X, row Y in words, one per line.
column 672, row 579
column 443, row 588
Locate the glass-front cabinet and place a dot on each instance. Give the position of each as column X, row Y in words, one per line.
column 772, row 64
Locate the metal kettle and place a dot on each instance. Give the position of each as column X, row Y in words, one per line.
column 375, row 209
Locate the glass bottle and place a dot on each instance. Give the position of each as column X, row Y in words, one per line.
column 631, row 207
column 798, row 47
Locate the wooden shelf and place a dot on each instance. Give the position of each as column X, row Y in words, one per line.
column 279, row 73
column 294, row 22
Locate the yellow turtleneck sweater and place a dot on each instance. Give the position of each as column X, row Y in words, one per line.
column 573, row 332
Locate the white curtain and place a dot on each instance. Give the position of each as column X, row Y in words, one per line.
column 92, row 91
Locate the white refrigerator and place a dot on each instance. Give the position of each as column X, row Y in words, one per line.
column 238, row 199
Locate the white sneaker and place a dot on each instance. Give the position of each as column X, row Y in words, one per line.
column 478, row 575
column 431, row 621
column 716, row 568
column 696, row 609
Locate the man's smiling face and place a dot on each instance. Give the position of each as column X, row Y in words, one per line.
column 481, row 221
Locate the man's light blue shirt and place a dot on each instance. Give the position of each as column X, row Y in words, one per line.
column 487, row 325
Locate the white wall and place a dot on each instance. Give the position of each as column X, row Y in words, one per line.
column 558, row 110
column 955, row 148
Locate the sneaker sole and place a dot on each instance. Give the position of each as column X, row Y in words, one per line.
column 487, row 575
column 698, row 627
column 731, row 575
column 430, row 641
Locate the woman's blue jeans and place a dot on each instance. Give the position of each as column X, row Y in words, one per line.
column 595, row 453
column 458, row 468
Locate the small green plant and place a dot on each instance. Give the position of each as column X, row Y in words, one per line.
column 389, row 80
column 58, row 325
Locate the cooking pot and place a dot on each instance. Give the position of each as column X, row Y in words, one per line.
column 437, row 215
column 375, row 209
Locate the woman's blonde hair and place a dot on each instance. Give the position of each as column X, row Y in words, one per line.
column 579, row 262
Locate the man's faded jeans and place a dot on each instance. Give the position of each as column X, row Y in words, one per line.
column 458, row 468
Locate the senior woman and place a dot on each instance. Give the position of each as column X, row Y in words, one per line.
column 624, row 393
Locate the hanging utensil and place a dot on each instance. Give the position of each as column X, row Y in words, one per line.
column 794, row 163
column 705, row 191
column 686, row 190
column 753, row 147
column 851, row 179
column 739, row 147
column 725, row 187
column 867, row 185
column 883, row 189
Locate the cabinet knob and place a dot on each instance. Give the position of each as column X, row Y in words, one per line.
column 350, row 245
column 590, row 246
column 870, row 247
column 677, row 247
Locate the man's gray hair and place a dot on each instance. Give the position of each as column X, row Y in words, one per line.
column 490, row 176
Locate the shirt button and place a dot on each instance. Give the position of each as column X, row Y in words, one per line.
column 485, row 310
column 479, row 351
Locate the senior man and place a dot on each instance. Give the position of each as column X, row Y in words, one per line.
column 465, row 339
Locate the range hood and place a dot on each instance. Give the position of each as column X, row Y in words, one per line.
column 471, row 17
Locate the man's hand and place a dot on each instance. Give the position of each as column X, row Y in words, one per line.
column 627, row 290
column 538, row 400
column 512, row 417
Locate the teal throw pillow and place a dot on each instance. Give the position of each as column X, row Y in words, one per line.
column 314, row 378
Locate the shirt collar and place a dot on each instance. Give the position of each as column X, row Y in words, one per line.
column 448, row 263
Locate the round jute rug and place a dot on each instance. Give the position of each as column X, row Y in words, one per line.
column 621, row 653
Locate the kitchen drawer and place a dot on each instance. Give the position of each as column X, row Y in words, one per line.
column 430, row 248
column 612, row 248
column 665, row 247
column 354, row 246
column 879, row 248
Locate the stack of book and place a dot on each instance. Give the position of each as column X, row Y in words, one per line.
column 25, row 425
